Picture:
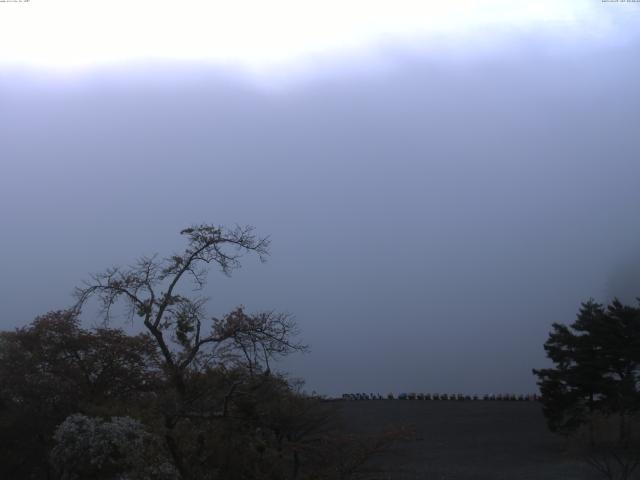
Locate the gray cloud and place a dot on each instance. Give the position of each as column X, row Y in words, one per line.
column 429, row 221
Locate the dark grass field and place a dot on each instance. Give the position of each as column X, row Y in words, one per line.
column 464, row 440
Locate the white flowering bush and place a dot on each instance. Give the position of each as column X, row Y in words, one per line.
column 116, row 449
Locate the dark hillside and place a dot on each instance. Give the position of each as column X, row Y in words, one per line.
column 464, row 440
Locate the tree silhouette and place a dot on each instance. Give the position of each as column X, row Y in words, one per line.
column 193, row 397
column 53, row 368
column 596, row 377
column 189, row 341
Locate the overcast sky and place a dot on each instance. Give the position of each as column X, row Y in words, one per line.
column 441, row 180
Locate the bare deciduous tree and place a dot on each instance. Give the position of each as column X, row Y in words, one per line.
column 153, row 290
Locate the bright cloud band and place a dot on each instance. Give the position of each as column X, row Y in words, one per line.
column 80, row 33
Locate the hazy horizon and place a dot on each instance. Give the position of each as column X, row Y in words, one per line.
column 432, row 209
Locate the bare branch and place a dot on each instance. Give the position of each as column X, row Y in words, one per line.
column 137, row 287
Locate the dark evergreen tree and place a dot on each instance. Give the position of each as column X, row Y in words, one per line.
column 596, row 368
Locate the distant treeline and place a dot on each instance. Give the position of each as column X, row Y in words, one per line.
column 532, row 397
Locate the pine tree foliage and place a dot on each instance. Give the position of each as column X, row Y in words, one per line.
column 596, row 367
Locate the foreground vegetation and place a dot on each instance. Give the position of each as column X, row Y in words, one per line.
column 192, row 397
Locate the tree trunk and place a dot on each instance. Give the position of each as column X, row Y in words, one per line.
column 622, row 439
column 296, row 464
column 173, row 449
